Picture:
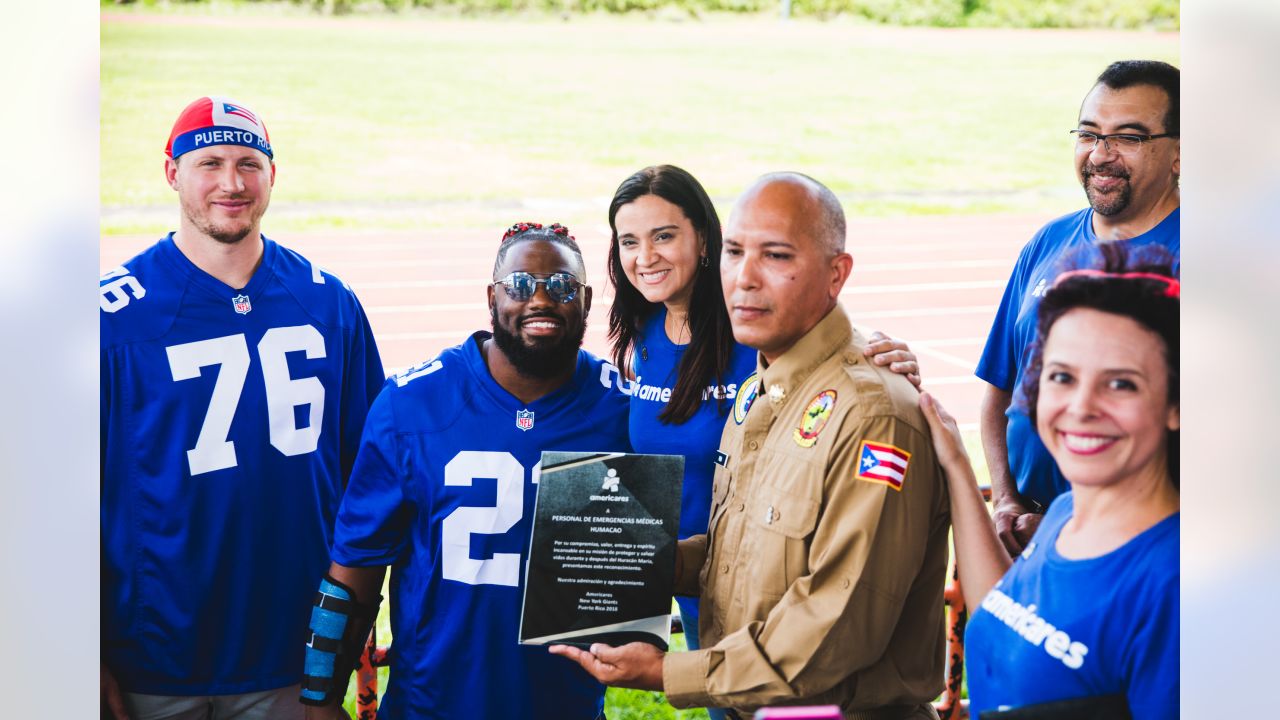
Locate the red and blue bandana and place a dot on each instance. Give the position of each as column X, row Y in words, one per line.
column 217, row 121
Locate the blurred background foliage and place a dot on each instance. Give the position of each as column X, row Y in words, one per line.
column 1109, row 14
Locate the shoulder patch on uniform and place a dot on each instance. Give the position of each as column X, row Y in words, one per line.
column 722, row 459
column 882, row 463
column 747, row 393
column 815, row 418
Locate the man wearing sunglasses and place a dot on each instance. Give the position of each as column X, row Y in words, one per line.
column 1127, row 160
column 443, row 491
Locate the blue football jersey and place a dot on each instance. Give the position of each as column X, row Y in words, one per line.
column 443, row 491
column 230, row 421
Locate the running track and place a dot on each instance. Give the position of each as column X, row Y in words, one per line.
column 934, row 281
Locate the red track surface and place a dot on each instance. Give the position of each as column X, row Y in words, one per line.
column 934, row 281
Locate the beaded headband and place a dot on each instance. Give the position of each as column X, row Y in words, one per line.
column 1172, row 289
column 523, row 227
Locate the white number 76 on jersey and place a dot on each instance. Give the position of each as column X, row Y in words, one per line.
column 213, row 451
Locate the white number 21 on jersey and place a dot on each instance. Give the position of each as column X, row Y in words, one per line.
column 456, row 562
column 213, row 451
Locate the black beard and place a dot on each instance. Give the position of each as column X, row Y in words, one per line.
column 1107, row 206
column 543, row 360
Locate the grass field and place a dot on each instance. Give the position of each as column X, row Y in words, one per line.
column 424, row 123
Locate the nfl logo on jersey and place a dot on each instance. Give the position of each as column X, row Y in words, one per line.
column 241, row 304
column 524, row 419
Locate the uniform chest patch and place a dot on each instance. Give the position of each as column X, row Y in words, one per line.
column 815, row 418
column 524, row 419
column 882, row 463
column 747, row 393
column 241, row 304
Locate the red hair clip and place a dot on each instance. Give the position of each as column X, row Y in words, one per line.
column 519, row 228
column 1172, row 288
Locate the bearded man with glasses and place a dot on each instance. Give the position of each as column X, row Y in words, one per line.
column 443, row 491
column 1127, row 160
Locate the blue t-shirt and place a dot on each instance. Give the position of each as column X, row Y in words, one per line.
column 656, row 361
column 230, row 420
column 1055, row 629
column 443, row 491
column 1014, row 330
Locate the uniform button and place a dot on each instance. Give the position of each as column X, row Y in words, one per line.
column 724, row 570
column 850, row 358
column 844, row 583
column 753, row 445
column 742, row 506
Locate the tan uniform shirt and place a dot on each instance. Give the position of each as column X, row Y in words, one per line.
column 822, row 573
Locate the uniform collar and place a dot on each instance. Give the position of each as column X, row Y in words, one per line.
column 832, row 334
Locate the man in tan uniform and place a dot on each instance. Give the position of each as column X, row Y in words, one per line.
column 822, row 574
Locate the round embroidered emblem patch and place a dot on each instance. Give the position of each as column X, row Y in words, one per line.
column 747, row 393
column 815, row 418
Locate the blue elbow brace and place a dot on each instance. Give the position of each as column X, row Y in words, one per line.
column 339, row 626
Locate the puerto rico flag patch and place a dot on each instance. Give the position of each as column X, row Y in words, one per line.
column 882, row 463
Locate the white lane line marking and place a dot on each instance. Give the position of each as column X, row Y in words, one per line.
column 923, row 287
column 871, row 314
column 867, row 289
column 435, row 307
column 951, row 342
column 922, row 349
column 926, row 312
column 451, row 334
column 950, row 380
column 1003, row 262
column 396, row 284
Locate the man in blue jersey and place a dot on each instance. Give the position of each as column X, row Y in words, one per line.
column 236, row 377
column 1127, row 160
column 443, row 492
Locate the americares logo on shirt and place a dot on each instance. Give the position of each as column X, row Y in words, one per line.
column 1024, row 621
column 657, row 393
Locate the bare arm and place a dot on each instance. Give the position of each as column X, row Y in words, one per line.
column 112, row 705
column 366, row 582
column 1014, row 518
column 981, row 560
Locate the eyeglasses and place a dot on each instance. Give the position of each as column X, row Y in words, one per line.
column 521, row 286
column 1119, row 142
